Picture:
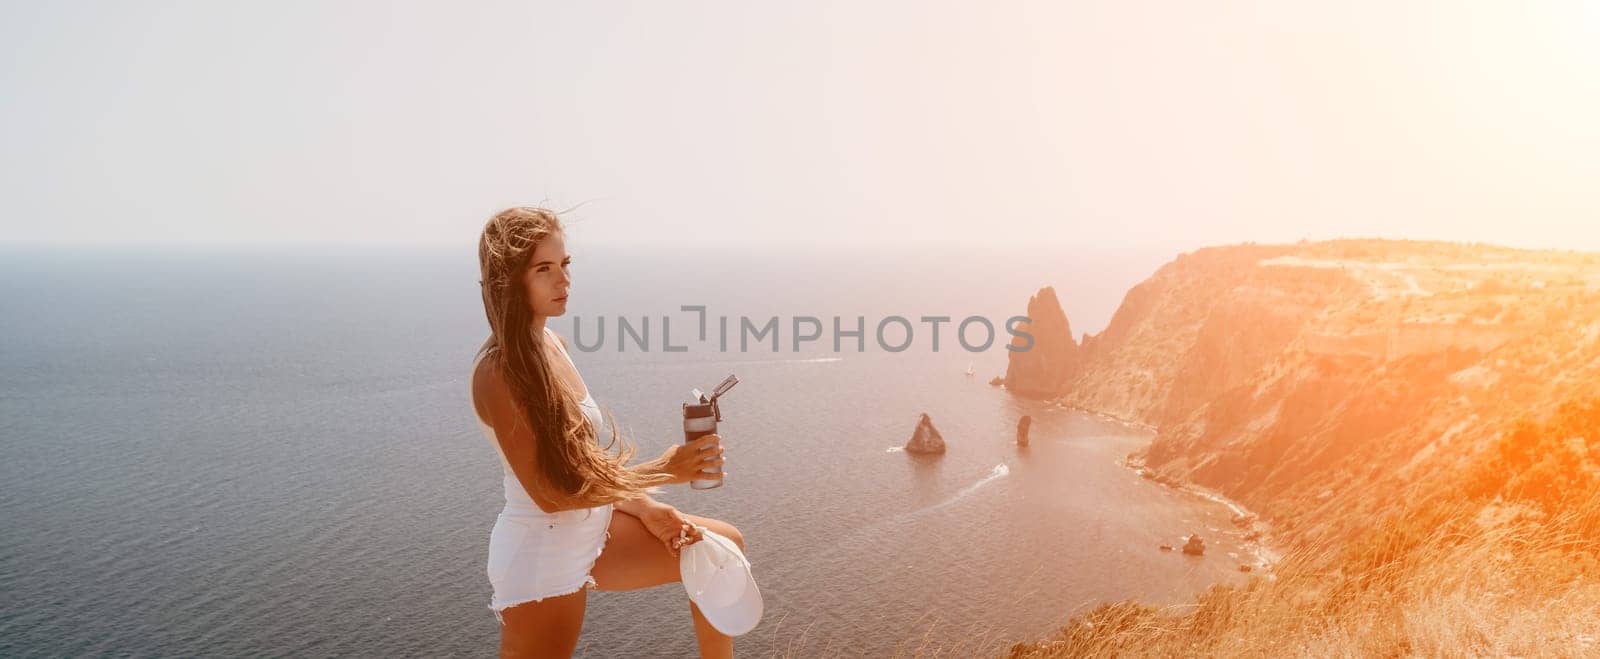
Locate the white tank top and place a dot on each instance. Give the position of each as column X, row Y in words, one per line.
column 517, row 498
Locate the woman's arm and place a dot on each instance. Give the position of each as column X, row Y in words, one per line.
column 662, row 521
column 653, row 467
column 685, row 461
column 491, row 397
column 637, row 505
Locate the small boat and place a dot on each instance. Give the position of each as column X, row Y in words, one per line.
column 969, row 369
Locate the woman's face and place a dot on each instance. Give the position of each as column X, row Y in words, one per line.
column 547, row 278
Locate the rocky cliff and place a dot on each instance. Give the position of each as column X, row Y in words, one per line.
column 1314, row 381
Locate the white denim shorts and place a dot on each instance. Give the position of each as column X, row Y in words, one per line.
column 534, row 554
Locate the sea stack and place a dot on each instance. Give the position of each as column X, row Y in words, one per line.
column 926, row 438
column 1040, row 368
column 1195, row 546
column 1022, row 429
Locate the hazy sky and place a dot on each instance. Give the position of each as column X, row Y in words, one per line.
column 1092, row 123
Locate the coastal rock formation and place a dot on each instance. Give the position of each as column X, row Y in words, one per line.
column 1040, row 369
column 996, row 381
column 925, row 438
column 1395, row 409
column 1195, row 546
column 1314, row 382
column 1199, row 326
column 1023, row 425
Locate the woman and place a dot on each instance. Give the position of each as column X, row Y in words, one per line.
column 575, row 516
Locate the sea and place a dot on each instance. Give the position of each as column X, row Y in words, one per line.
column 233, row 450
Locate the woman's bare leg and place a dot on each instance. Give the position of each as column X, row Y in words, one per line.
column 633, row 559
column 547, row 628
column 722, row 528
column 712, row 642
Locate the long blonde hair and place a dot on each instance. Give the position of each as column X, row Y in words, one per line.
column 576, row 471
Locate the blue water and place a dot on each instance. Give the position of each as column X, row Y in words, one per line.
column 236, row 451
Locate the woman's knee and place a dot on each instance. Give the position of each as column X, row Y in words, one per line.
column 633, row 558
column 735, row 535
column 722, row 528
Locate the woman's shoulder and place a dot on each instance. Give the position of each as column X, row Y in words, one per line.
column 558, row 336
column 489, row 389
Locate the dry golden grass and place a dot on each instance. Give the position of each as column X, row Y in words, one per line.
column 1517, row 587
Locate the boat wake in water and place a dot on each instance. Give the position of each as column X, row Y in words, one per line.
column 1000, row 471
column 871, row 531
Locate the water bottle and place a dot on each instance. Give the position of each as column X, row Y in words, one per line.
column 700, row 419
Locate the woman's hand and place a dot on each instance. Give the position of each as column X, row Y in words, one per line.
column 670, row 526
column 684, row 461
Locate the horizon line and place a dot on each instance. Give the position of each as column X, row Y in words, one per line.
column 1035, row 244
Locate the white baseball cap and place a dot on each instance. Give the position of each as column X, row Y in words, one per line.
column 717, row 576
